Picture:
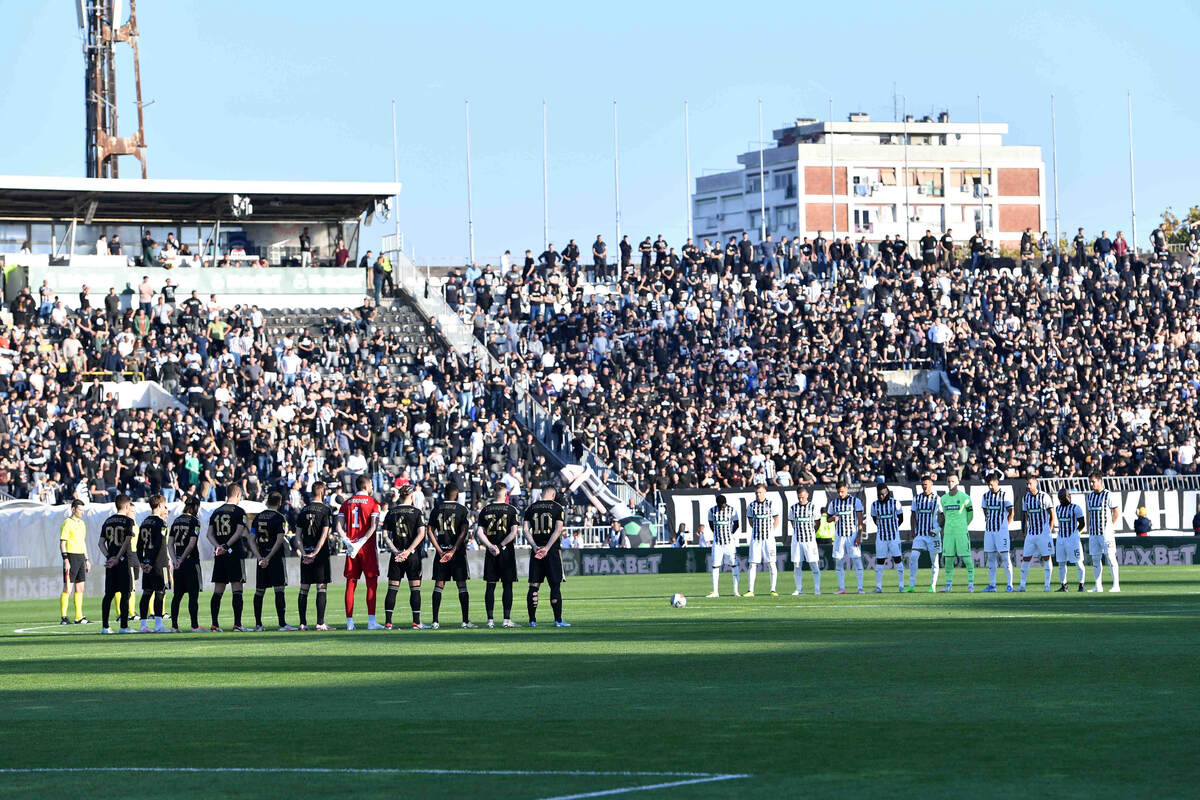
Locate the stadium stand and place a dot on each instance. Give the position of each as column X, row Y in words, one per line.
column 776, row 374
column 704, row 371
column 279, row 397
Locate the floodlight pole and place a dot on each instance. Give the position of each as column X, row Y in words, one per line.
column 907, row 213
column 617, row 182
column 1132, row 194
column 470, row 218
column 687, row 168
column 1054, row 155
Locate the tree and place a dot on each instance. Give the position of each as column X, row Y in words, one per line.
column 1178, row 230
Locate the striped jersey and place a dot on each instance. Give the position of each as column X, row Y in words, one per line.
column 886, row 514
column 723, row 522
column 803, row 517
column 995, row 511
column 760, row 516
column 1068, row 520
column 1036, row 507
column 1099, row 512
column 843, row 509
column 925, row 509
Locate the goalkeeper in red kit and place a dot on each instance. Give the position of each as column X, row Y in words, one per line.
column 357, row 520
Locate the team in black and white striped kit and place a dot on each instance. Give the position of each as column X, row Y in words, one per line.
column 1050, row 531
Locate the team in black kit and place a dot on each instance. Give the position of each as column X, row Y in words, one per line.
column 167, row 554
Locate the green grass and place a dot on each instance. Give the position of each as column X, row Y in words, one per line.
column 884, row 695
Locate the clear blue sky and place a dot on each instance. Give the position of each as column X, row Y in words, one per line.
column 302, row 90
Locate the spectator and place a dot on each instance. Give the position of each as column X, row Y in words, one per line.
column 306, row 259
column 1141, row 525
column 146, row 295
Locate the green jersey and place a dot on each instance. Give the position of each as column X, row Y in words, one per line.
column 958, row 511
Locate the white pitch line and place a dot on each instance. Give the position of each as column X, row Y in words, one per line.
column 60, row 628
column 374, row 771
column 646, row 788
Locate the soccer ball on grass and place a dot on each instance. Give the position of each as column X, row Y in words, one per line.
column 677, row 600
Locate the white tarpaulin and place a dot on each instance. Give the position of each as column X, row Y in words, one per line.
column 139, row 394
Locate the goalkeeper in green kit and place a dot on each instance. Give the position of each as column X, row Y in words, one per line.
column 956, row 542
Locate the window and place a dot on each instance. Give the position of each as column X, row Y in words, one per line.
column 12, row 236
column 753, row 184
column 786, row 218
column 785, row 181
column 755, row 222
column 862, row 221
column 966, row 179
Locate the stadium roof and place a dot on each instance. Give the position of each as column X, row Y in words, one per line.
column 136, row 200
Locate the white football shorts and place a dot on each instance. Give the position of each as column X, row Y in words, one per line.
column 995, row 542
column 1037, row 544
column 844, row 547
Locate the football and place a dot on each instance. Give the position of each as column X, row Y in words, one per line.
column 678, row 601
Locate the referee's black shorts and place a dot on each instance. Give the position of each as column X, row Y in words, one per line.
column 76, row 568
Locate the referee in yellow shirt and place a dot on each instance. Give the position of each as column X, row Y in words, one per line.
column 72, row 543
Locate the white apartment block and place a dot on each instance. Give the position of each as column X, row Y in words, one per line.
column 944, row 188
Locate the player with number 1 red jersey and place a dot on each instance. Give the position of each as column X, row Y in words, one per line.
column 357, row 520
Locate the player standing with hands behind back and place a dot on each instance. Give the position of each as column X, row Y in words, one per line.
column 153, row 558
column 545, row 522
column 449, row 525
column 185, row 546
column 116, row 536
column 403, row 532
column 226, row 529
column 270, row 530
column 313, row 524
column 496, row 529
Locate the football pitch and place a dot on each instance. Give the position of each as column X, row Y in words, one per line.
column 1004, row 695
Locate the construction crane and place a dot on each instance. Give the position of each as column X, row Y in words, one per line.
column 98, row 23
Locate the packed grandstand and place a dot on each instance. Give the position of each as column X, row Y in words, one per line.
column 710, row 370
